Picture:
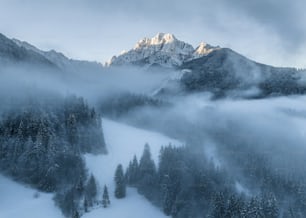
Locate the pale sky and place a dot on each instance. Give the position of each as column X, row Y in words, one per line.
column 268, row 31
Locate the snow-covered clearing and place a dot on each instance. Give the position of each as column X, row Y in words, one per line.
column 18, row 201
column 123, row 142
column 133, row 206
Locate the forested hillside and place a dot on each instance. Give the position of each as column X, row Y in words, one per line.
column 186, row 184
column 42, row 142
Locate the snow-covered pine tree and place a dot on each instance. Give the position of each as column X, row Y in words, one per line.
column 76, row 214
column 85, row 205
column 147, row 184
column 120, row 189
column 72, row 131
column 91, row 191
column 146, row 164
column 167, row 199
column 254, row 208
column 219, row 205
column 105, row 197
column 234, row 207
column 132, row 174
column 269, row 205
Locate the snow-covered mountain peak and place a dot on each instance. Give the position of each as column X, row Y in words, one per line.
column 163, row 49
column 160, row 38
column 204, row 49
column 166, row 37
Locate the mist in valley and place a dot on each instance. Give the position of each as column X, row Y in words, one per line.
column 203, row 117
column 228, row 135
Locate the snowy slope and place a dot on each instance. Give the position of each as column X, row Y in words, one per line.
column 123, row 142
column 163, row 49
column 17, row 201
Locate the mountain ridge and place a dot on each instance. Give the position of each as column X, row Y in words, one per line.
column 11, row 52
column 60, row 60
column 205, row 68
column 163, row 49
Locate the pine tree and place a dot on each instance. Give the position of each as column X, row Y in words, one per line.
column 72, row 131
column 76, row 214
column 132, row 173
column 270, row 207
column 85, row 205
column 219, row 205
column 146, row 164
column 127, row 174
column 101, row 133
column 80, row 186
column 148, row 183
column 91, row 191
column 19, row 148
column 167, row 197
column 234, row 207
column 254, row 208
column 120, row 189
column 105, row 198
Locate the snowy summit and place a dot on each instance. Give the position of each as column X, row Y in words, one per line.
column 164, row 49
column 204, row 49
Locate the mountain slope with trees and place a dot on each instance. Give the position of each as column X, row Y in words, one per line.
column 224, row 72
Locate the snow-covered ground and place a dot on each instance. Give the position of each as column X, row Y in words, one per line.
column 123, row 142
column 133, row 206
column 18, row 201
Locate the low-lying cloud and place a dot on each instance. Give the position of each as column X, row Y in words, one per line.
column 272, row 127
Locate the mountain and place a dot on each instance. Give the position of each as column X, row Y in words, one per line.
column 207, row 68
column 60, row 60
column 10, row 52
column 162, row 50
column 224, row 72
column 14, row 52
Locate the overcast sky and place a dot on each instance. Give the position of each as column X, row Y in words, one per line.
column 268, row 31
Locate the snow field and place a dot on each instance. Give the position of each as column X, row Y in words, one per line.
column 18, row 201
column 123, row 142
